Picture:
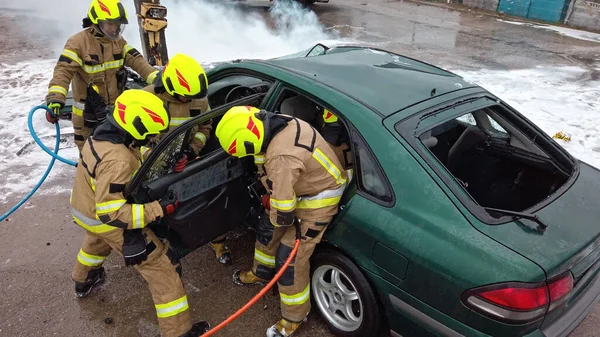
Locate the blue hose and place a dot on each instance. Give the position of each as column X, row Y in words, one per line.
column 45, row 148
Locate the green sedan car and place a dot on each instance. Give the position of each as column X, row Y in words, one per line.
column 462, row 217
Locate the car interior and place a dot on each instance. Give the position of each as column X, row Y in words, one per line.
column 494, row 161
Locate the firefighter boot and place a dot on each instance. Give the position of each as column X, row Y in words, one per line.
column 221, row 251
column 244, row 278
column 197, row 329
column 283, row 328
column 94, row 277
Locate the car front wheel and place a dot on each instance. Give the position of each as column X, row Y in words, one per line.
column 343, row 296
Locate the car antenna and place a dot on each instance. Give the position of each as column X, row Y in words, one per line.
column 541, row 225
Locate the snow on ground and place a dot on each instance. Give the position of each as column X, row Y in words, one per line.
column 24, row 86
column 574, row 33
column 553, row 98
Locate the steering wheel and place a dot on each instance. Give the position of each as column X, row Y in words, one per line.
column 239, row 92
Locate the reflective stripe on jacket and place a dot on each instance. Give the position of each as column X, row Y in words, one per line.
column 90, row 58
column 305, row 176
column 102, row 174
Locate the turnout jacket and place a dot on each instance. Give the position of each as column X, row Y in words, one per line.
column 97, row 200
column 181, row 112
column 304, row 175
column 90, row 57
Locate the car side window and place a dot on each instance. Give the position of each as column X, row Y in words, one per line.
column 370, row 175
column 163, row 165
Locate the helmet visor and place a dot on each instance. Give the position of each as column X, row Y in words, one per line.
column 113, row 29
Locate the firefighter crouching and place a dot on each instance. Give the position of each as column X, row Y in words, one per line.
column 182, row 85
column 306, row 183
column 108, row 160
column 92, row 62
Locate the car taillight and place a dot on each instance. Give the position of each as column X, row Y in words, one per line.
column 560, row 288
column 520, row 302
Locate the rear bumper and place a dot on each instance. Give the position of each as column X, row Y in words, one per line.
column 578, row 311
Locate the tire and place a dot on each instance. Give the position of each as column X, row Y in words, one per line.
column 366, row 316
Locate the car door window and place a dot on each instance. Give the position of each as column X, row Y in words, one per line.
column 371, row 178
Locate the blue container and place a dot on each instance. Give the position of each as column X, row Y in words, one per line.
column 514, row 7
column 548, row 10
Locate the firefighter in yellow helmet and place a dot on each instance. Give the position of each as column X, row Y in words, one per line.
column 92, row 62
column 306, row 183
column 108, row 160
column 183, row 87
column 334, row 132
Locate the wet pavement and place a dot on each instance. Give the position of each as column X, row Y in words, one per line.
column 39, row 243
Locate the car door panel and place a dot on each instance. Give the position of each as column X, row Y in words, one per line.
column 212, row 190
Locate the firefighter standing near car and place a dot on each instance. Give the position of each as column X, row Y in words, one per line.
column 108, row 160
column 92, row 62
column 306, row 183
column 182, row 85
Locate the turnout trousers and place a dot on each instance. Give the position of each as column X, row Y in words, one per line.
column 159, row 271
column 80, row 132
column 294, row 284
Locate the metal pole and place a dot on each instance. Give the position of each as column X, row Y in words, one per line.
column 152, row 23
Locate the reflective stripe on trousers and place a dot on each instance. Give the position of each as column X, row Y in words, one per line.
column 90, row 260
column 296, row 299
column 78, row 108
column 267, row 260
column 172, row 308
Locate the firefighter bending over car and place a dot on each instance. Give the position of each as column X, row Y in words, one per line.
column 92, row 62
column 182, row 85
column 306, row 182
column 108, row 160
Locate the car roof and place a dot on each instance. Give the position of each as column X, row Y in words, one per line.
column 383, row 81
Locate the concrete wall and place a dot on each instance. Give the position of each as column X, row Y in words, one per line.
column 491, row 5
column 586, row 14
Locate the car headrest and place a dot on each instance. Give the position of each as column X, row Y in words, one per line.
column 428, row 140
column 300, row 107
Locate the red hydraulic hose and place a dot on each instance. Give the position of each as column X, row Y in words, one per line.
column 260, row 294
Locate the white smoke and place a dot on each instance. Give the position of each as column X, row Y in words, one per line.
column 209, row 31
column 214, row 32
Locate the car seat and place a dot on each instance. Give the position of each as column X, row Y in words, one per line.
column 299, row 107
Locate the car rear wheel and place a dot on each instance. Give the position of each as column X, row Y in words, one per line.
column 343, row 296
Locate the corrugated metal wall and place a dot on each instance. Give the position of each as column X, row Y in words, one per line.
column 578, row 13
column 545, row 10
column 586, row 14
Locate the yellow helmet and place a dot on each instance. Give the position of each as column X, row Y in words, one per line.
column 329, row 117
column 110, row 16
column 240, row 132
column 184, row 76
column 140, row 114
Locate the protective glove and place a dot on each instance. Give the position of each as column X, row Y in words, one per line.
column 180, row 162
column 55, row 107
column 266, row 202
column 169, row 204
column 182, row 158
column 264, row 230
column 134, row 247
